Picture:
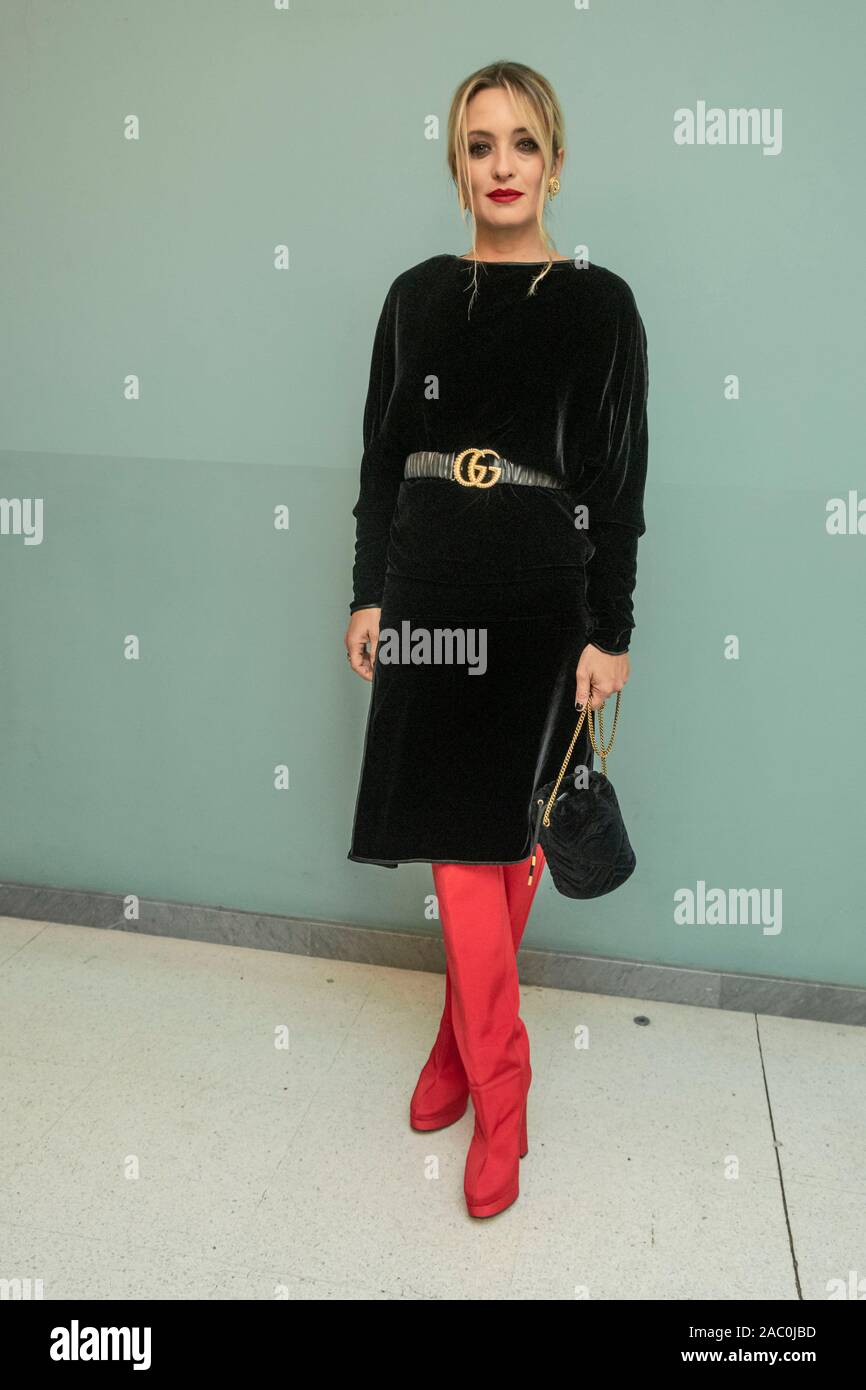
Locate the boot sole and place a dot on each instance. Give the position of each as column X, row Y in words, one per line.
column 492, row 1208
column 440, row 1121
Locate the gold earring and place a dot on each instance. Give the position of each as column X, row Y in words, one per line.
column 553, row 187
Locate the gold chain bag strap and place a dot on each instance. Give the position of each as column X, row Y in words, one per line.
column 582, row 831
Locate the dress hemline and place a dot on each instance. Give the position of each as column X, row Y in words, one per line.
column 425, row 859
column 395, row 863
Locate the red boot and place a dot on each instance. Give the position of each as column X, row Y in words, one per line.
column 442, row 1091
column 520, row 896
column 485, row 999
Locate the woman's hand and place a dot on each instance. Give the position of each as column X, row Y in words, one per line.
column 599, row 675
column 363, row 628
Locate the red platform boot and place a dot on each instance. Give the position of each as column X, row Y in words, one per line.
column 485, row 1007
column 442, row 1091
column 520, row 896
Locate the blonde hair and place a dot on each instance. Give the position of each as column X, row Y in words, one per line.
column 539, row 111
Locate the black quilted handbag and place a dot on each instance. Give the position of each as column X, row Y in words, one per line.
column 581, row 830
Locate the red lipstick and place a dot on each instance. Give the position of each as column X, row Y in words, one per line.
column 504, row 195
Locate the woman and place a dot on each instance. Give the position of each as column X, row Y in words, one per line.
column 500, row 505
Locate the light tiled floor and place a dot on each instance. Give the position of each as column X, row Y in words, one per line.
column 158, row 1143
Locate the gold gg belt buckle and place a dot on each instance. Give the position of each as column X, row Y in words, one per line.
column 474, row 471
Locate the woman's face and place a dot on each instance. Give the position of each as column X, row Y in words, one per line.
column 503, row 159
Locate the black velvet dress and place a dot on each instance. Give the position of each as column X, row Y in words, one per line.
column 454, row 749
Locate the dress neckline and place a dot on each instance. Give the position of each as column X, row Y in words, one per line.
column 467, row 260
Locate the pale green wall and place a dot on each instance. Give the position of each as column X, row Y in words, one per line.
column 260, row 127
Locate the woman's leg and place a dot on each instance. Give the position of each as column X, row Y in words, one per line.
column 491, row 1036
column 442, row 1091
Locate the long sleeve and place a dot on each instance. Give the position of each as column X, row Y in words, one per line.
column 381, row 471
column 613, row 482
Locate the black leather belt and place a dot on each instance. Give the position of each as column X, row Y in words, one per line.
column 468, row 468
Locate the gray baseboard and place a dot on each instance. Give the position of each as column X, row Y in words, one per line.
column 674, row 984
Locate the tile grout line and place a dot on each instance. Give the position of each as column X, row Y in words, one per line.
column 302, row 1119
column 24, row 944
column 523, row 1182
column 778, row 1161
